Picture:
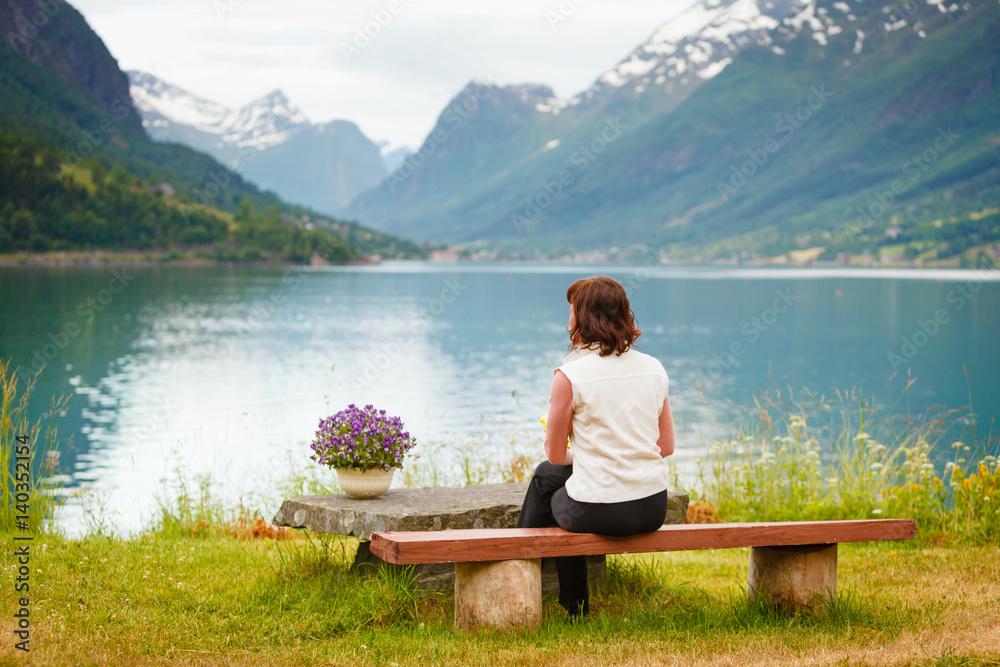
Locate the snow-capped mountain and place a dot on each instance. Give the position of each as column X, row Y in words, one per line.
column 644, row 154
column 269, row 140
column 167, row 109
column 691, row 48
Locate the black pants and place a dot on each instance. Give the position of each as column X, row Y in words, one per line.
column 547, row 504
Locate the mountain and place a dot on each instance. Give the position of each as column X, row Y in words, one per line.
column 49, row 35
column 684, row 53
column 752, row 128
column 393, row 156
column 270, row 141
column 77, row 170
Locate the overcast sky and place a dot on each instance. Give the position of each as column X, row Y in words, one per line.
column 233, row 51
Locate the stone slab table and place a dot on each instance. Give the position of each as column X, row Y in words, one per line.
column 432, row 508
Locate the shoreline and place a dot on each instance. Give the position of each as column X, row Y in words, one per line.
column 141, row 258
column 173, row 258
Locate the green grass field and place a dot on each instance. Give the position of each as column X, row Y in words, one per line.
column 216, row 600
column 208, row 584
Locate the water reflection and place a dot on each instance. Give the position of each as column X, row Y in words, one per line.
column 227, row 369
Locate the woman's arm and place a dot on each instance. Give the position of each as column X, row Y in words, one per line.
column 560, row 422
column 666, row 439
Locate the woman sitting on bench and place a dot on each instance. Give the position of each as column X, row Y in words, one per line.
column 611, row 400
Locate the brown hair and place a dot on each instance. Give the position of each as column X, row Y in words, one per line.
column 603, row 315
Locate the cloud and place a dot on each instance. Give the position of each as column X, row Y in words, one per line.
column 232, row 51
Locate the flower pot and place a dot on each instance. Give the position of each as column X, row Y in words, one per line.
column 364, row 484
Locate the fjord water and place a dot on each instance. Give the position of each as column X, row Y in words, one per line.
column 227, row 370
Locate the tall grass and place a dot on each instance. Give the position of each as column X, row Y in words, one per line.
column 16, row 432
column 812, row 458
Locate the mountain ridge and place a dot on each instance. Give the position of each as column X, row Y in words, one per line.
column 892, row 80
column 269, row 139
column 78, row 172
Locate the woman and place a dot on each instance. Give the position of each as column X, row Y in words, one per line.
column 611, row 400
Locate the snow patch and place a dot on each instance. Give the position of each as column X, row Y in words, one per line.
column 714, row 68
column 635, row 67
column 894, row 26
column 704, row 37
column 806, row 16
column 266, row 121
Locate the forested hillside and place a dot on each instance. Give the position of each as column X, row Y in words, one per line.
column 78, row 171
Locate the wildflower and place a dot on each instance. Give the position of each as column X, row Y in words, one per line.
column 365, row 439
column 878, row 511
column 875, row 467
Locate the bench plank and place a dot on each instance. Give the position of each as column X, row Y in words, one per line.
column 473, row 545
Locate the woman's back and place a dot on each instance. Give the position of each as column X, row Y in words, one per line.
column 616, row 405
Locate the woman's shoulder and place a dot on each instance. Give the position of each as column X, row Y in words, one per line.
column 645, row 360
column 578, row 353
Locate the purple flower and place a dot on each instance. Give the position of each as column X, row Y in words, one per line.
column 363, row 438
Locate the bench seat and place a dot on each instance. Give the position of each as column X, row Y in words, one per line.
column 498, row 583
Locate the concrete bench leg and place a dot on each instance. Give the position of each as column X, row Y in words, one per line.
column 796, row 578
column 503, row 594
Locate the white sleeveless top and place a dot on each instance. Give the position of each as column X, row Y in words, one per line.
column 616, row 407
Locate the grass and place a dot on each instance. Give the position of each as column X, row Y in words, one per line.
column 27, row 496
column 216, row 600
column 207, row 584
column 792, row 458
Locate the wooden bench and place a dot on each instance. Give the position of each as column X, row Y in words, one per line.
column 498, row 571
